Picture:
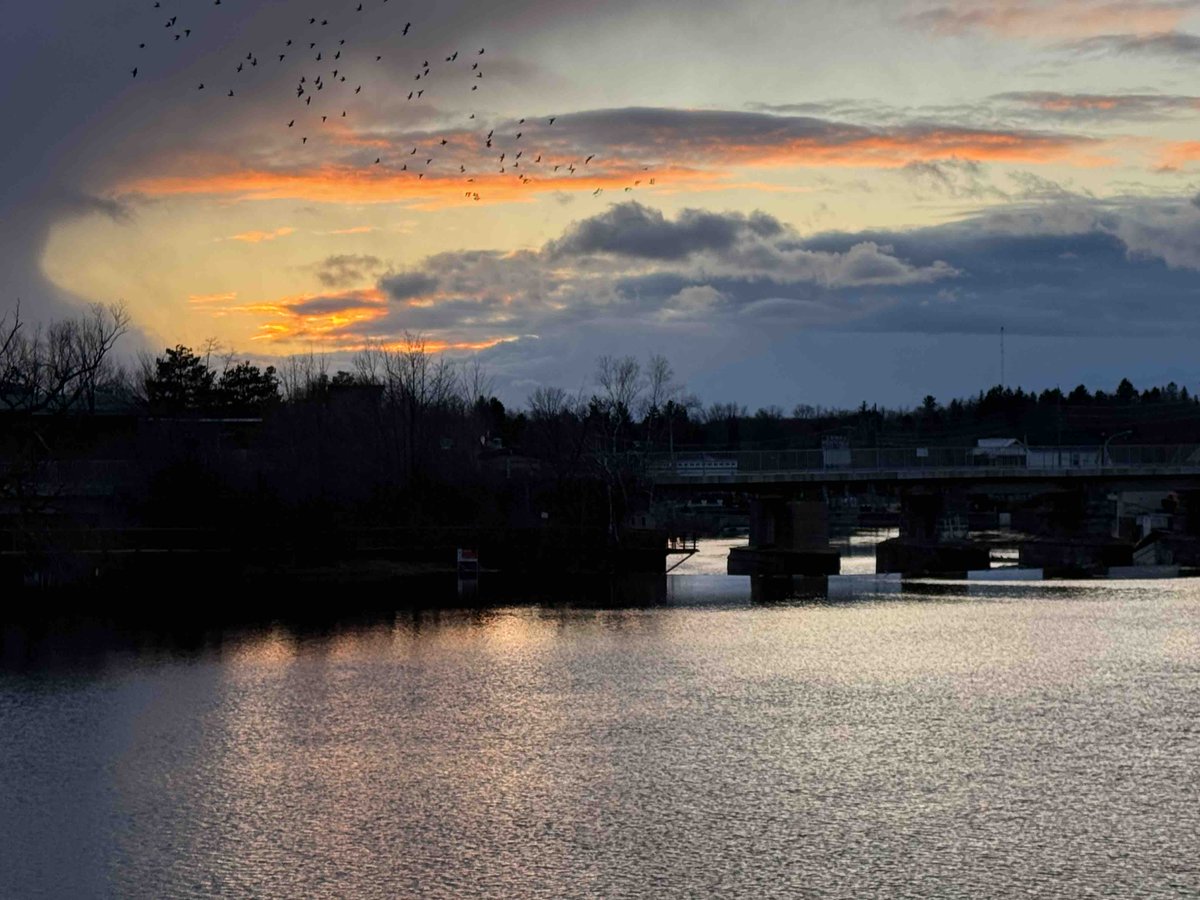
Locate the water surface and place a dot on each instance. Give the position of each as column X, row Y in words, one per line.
column 957, row 740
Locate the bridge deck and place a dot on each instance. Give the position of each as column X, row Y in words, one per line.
column 1134, row 463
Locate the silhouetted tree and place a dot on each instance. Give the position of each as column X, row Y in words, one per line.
column 1126, row 393
column 180, row 382
column 63, row 366
column 244, row 388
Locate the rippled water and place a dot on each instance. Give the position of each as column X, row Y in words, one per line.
column 953, row 741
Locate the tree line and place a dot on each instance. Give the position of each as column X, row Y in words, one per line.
column 403, row 435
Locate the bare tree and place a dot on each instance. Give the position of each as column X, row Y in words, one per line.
column 620, row 380
column 211, row 345
column 660, row 385
column 63, row 366
column 304, row 375
column 547, row 403
column 477, row 382
column 724, row 412
column 368, row 363
column 419, row 388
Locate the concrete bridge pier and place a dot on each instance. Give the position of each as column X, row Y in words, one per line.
column 1077, row 533
column 934, row 538
column 788, row 538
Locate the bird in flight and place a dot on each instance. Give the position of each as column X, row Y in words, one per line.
column 512, row 161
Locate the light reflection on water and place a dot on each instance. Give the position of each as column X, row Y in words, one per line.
column 857, row 549
column 956, row 740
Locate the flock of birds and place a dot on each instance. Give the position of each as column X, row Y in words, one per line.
column 325, row 79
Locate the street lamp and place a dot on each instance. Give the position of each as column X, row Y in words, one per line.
column 1107, row 441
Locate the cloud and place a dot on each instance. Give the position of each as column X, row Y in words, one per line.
column 604, row 149
column 1064, row 269
column 1060, row 266
column 631, row 229
column 315, row 319
column 328, row 306
column 1041, row 19
column 118, row 210
column 201, row 299
column 1031, row 186
column 630, row 262
column 345, row 270
column 749, row 138
column 1178, row 46
column 1176, row 155
column 357, row 229
column 1102, row 107
column 407, row 285
column 258, row 237
column 1165, row 231
column 952, row 177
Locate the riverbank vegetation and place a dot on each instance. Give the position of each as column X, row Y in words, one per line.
column 399, row 436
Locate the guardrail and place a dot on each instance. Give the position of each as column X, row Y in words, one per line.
column 913, row 459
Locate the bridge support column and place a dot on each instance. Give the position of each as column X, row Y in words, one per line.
column 787, row 538
column 1075, row 534
column 933, row 539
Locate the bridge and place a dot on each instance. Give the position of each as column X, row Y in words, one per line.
column 1071, row 500
column 770, row 468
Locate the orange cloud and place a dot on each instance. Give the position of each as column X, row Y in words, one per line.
column 698, row 159
column 257, row 237
column 357, row 229
column 1102, row 106
column 320, row 318
column 1177, row 154
column 227, row 297
column 1054, row 19
column 346, row 184
column 334, row 321
column 893, row 150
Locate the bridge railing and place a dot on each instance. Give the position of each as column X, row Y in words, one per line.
column 709, row 464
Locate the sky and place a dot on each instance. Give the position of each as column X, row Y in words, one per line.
column 795, row 202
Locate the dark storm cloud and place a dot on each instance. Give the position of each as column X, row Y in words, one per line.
column 631, row 229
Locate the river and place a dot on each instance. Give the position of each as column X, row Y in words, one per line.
column 954, row 740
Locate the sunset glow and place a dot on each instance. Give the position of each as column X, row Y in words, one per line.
column 599, row 165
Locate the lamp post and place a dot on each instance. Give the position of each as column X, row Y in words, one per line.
column 1107, row 441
